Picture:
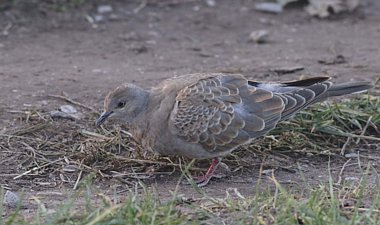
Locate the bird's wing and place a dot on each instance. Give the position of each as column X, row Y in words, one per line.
column 297, row 95
column 222, row 112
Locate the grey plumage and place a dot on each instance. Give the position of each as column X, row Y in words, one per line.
column 210, row 115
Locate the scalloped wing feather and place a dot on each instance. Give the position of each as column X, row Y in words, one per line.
column 228, row 114
column 223, row 111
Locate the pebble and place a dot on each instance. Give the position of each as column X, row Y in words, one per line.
column 268, row 172
column 11, row 199
column 102, row 9
column 98, row 18
column 351, row 155
column 196, row 8
column 97, row 71
column 66, row 112
column 68, row 109
column 70, row 169
column 259, row 36
column 43, row 102
column 269, row 7
column 211, row 3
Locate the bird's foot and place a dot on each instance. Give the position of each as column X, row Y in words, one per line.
column 202, row 181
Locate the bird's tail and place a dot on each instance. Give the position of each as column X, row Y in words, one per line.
column 348, row 88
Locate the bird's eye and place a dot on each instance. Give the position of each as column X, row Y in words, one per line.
column 121, row 104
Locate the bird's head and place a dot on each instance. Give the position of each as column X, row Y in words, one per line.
column 124, row 103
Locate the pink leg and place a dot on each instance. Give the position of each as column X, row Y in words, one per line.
column 203, row 180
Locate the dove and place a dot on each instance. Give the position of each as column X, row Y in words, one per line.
column 209, row 115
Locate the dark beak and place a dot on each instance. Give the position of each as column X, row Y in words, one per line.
column 102, row 118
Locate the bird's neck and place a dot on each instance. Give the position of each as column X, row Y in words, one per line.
column 141, row 102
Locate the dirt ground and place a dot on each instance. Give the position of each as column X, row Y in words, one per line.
column 46, row 53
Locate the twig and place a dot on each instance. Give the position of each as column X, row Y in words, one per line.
column 65, row 98
column 362, row 209
column 341, row 172
column 8, row 175
column 18, row 111
column 30, row 148
column 364, row 129
column 79, row 175
column 359, row 163
column 36, row 168
column 359, row 136
column 90, row 169
column 345, row 146
column 2, row 162
column 24, row 137
column 78, row 179
column 93, row 134
column 31, row 129
column 140, row 7
column 6, row 29
column 351, row 164
column 136, row 175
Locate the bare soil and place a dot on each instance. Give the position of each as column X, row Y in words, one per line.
column 46, row 53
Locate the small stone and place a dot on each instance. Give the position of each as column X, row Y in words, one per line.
column 44, row 102
column 113, row 16
column 70, row 168
column 324, row 8
column 268, row 172
column 211, row 3
column 351, row 155
column 97, row 71
column 98, row 18
column 196, row 8
column 131, row 36
column 66, row 112
column 102, row 9
column 269, row 7
column 259, row 36
column 68, row 109
column 11, row 199
column 151, row 42
column 91, row 21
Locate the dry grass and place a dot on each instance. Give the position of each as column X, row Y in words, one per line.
column 64, row 151
column 70, row 149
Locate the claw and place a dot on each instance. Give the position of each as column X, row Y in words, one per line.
column 203, row 180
